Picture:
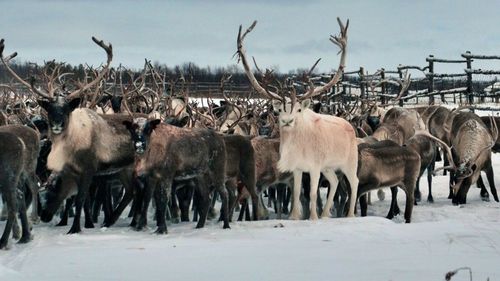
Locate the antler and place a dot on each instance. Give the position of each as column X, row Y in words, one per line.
column 251, row 77
column 31, row 84
column 341, row 42
column 404, row 84
column 104, row 71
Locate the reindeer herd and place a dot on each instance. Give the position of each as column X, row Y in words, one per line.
column 72, row 145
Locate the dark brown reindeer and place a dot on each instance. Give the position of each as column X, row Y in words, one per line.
column 31, row 142
column 240, row 166
column 386, row 164
column 18, row 156
column 427, row 150
column 166, row 153
column 84, row 143
column 266, row 166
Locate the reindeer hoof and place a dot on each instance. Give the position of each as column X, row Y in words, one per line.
column 226, row 226
column 35, row 219
column 74, row 230
column 294, row 216
column 418, row 196
column 430, row 199
column 3, row 244
column 25, row 239
column 161, row 230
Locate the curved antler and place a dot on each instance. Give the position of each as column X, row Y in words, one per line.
column 100, row 76
column 251, row 77
column 31, row 84
column 341, row 42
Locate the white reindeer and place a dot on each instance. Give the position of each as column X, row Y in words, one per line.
column 311, row 142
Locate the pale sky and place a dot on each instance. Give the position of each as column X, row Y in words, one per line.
column 289, row 34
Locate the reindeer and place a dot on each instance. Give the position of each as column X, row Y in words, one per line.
column 240, row 166
column 13, row 158
column 427, row 151
column 166, row 153
column 472, row 142
column 311, row 142
column 386, row 164
column 266, row 167
column 31, row 143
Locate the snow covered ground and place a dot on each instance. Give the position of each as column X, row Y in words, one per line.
column 441, row 237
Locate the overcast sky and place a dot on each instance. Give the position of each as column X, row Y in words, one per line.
column 289, row 34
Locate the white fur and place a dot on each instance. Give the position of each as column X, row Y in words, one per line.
column 317, row 143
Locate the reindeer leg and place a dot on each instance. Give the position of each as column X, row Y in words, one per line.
column 418, row 194
column 160, row 195
column 446, row 163
column 87, row 213
column 296, row 205
column 430, row 199
column 11, row 206
column 26, row 234
column 491, row 180
column 242, row 210
column 65, row 213
column 221, row 188
column 485, row 196
column 363, row 204
column 84, row 183
column 394, row 210
column 146, row 199
column 353, row 182
column 33, row 187
column 280, row 196
column 409, row 203
column 231, row 191
column 202, row 196
column 334, row 181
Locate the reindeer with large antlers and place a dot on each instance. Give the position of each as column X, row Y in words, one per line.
column 311, row 142
column 84, row 143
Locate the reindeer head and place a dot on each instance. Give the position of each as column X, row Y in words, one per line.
column 58, row 112
column 291, row 110
column 140, row 130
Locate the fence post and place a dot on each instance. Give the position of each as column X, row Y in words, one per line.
column 382, row 86
column 362, row 82
column 401, row 77
column 430, row 87
column 470, row 97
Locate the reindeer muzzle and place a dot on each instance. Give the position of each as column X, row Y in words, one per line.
column 139, row 147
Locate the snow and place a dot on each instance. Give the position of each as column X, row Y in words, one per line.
column 441, row 237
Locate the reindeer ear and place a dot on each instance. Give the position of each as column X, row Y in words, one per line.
column 74, row 103
column 184, row 121
column 305, row 104
column 44, row 104
column 276, row 105
column 150, row 126
column 130, row 126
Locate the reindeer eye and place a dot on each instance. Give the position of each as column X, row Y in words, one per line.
column 300, row 110
column 279, row 110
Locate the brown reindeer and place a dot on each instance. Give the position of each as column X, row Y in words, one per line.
column 18, row 156
column 165, row 153
column 386, row 164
